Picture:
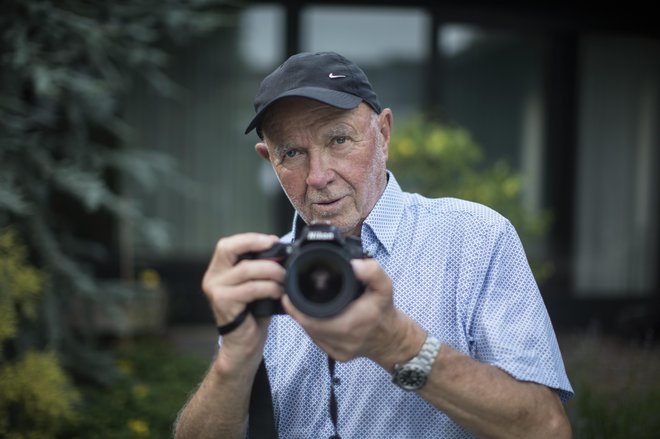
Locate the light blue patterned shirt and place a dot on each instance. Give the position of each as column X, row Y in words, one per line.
column 459, row 270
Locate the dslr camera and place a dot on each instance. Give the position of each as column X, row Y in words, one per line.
column 319, row 278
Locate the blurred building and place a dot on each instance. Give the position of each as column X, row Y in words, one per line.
column 568, row 95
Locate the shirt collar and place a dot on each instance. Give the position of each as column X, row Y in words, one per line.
column 298, row 225
column 381, row 223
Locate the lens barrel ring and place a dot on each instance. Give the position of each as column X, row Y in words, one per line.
column 320, row 281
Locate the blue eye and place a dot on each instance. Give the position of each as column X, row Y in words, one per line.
column 340, row 140
column 291, row 153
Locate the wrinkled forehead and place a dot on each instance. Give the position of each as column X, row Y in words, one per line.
column 297, row 113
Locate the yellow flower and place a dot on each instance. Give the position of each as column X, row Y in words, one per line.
column 139, row 427
column 437, row 143
column 149, row 279
column 140, row 391
column 406, row 147
column 511, row 187
column 126, row 366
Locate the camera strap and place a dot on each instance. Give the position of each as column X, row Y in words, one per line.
column 226, row 329
column 261, row 419
column 332, row 405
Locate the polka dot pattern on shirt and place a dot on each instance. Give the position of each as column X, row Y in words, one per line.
column 459, row 270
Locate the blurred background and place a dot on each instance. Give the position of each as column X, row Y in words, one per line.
column 123, row 161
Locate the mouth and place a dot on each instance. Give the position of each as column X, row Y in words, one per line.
column 327, row 206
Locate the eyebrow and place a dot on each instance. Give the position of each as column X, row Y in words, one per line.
column 340, row 130
column 281, row 147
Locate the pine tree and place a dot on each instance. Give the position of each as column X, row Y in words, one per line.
column 66, row 68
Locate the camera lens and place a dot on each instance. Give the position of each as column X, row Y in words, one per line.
column 320, row 280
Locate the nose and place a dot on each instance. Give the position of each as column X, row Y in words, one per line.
column 320, row 172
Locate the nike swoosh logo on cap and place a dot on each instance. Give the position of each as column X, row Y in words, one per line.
column 333, row 76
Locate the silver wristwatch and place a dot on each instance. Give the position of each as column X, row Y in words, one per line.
column 413, row 374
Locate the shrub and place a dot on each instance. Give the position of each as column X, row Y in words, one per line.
column 154, row 383
column 37, row 398
column 67, row 68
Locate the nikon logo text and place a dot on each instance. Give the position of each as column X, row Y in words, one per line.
column 320, row 236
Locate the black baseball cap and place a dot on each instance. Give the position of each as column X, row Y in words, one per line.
column 323, row 76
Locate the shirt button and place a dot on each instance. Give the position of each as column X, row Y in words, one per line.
column 336, row 381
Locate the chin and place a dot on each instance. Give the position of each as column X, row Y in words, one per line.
column 353, row 229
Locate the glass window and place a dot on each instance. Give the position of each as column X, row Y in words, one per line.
column 616, row 223
column 261, row 36
column 389, row 44
column 492, row 86
column 367, row 35
column 202, row 129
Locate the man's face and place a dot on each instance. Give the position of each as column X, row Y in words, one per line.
column 330, row 162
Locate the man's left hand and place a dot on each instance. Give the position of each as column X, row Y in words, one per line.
column 369, row 327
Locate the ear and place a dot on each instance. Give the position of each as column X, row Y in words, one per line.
column 385, row 125
column 262, row 150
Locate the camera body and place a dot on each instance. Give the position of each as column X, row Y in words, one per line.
column 319, row 277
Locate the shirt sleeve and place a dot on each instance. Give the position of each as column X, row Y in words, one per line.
column 510, row 326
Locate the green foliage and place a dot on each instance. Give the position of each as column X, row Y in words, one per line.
column 155, row 382
column 21, row 285
column 37, row 399
column 440, row 160
column 36, row 396
column 66, row 68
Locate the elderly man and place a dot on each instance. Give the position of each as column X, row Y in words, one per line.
column 450, row 338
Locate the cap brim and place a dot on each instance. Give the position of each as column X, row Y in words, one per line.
column 338, row 99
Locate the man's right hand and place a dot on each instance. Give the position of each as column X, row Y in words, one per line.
column 219, row 407
column 230, row 284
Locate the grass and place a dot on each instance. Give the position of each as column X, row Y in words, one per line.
column 617, row 385
column 155, row 381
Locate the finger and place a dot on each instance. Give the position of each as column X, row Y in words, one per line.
column 369, row 272
column 329, row 334
column 312, row 325
column 258, row 269
column 291, row 310
column 254, row 290
column 228, row 249
column 243, row 284
column 333, row 326
column 228, row 301
column 227, row 252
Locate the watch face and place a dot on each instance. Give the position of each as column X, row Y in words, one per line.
column 411, row 377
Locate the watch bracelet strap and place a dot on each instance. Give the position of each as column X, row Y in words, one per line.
column 427, row 353
column 431, row 348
